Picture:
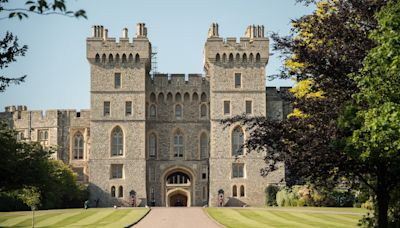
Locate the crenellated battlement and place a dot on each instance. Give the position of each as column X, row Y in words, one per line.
column 251, row 50
column 177, row 80
column 104, row 50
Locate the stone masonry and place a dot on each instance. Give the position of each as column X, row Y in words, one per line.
column 155, row 139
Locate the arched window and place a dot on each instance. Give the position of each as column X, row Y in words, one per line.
column 195, row 97
column 224, row 57
column 178, row 144
column 160, row 98
column 186, row 97
column 251, row 57
column 112, row 191
column 117, row 142
column 203, row 110
column 121, row 191
column 230, row 57
column 258, row 58
column 203, row 146
column 137, row 58
column 169, row 97
column 110, row 58
column 178, row 97
column 97, row 59
column 152, row 145
column 123, row 58
column 234, row 191
column 152, row 97
column 241, row 191
column 130, row 58
column 103, row 58
column 203, row 97
column 178, row 111
column 244, row 58
column 237, row 57
column 78, row 146
column 117, row 58
column 237, row 141
column 178, row 178
column 217, row 58
column 153, row 111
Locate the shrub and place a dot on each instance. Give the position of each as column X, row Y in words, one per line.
column 281, row 197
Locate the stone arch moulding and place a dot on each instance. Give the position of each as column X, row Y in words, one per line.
column 173, row 169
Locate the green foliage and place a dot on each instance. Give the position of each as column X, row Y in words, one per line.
column 270, row 195
column 30, row 196
column 281, row 197
column 36, row 173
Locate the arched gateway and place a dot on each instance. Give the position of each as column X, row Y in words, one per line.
column 178, row 187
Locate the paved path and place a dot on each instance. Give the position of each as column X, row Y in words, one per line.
column 177, row 217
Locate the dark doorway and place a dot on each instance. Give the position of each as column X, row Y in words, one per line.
column 178, row 200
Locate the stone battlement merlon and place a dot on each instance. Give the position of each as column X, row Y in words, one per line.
column 103, row 49
column 253, row 48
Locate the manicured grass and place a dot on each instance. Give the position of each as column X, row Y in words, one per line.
column 93, row 217
column 286, row 217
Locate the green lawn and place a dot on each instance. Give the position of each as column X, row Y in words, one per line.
column 93, row 217
column 286, row 217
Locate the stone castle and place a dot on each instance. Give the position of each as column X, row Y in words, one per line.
column 156, row 139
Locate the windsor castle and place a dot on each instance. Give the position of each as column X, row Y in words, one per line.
column 156, row 139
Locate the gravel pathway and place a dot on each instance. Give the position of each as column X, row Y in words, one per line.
column 177, row 217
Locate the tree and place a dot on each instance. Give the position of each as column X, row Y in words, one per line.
column 9, row 47
column 324, row 49
column 26, row 168
column 31, row 197
column 375, row 127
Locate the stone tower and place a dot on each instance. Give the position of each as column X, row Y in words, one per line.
column 236, row 71
column 117, row 163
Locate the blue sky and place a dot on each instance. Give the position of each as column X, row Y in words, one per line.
column 56, row 65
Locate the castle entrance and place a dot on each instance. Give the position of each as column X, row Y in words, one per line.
column 178, row 187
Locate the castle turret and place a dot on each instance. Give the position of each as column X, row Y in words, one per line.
column 236, row 71
column 118, row 72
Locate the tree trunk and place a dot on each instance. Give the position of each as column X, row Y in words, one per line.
column 383, row 199
column 33, row 218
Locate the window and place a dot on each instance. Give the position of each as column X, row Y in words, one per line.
column 123, row 58
column 204, row 171
column 106, row 108
column 178, row 144
column 137, row 58
column 116, row 171
column 204, row 193
column 117, row 142
column 258, row 58
column 178, row 111
column 217, row 58
column 128, row 108
column 112, row 191
column 97, row 58
column 20, row 135
column 117, row 80
column 78, row 146
column 203, row 97
column 238, row 80
column 152, row 174
column 152, row 197
column 152, row 145
column 249, row 107
column 43, row 135
column 237, row 141
column 241, row 191
column 153, row 111
column 227, row 107
column 120, row 192
column 203, row 146
column 230, row 57
column 178, row 178
column 237, row 170
column 203, row 110
column 234, row 191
